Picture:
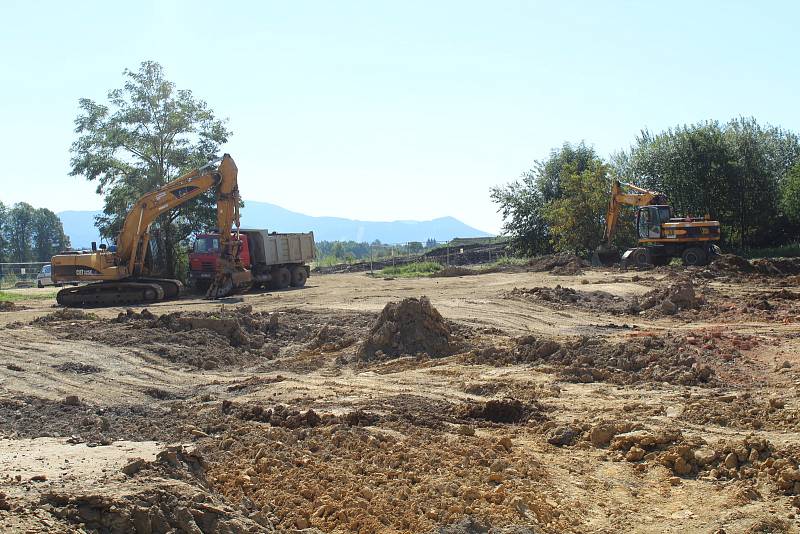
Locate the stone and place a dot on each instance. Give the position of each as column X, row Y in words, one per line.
column 731, row 461
column 601, row 435
column 133, row 466
column 635, row 454
column 668, row 307
column 682, row 467
column 704, row 456
column 72, row 400
column 564, row 435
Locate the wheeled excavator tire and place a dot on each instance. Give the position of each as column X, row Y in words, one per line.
column 110, row 294
column 694, row 256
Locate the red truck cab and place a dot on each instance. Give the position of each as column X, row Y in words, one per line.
column 204, row 256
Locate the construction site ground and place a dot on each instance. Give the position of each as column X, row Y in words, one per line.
column 531, row 402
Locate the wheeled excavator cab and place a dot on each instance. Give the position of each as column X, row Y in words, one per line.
column 649, row 220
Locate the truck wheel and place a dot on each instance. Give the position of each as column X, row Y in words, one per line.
column 39, row 284
column 281, row 278
column 299, row 276
column 694, row 256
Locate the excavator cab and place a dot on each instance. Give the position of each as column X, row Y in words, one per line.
column 649, row 220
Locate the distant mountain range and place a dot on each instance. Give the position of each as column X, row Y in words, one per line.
column 79, row 226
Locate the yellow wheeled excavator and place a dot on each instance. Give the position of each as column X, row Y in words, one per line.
column 120, row 275
column 661, row 235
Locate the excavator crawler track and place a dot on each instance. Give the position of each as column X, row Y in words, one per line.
column 110, row 294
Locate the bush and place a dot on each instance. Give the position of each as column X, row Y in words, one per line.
column 411, row 270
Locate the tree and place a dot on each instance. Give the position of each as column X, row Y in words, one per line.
column 48, row 235
column 415, row 247
column 148, row 134
column 523, row 202
column 731, row 171
column 19, row 232
column 3, row 241
column 576, row 220
column 790, row 195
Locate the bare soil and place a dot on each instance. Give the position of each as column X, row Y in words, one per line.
column 531, row 400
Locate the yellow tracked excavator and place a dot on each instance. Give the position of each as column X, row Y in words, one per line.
column 120, row 275
column 661, row 235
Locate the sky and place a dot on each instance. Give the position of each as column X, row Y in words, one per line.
column 382, row 110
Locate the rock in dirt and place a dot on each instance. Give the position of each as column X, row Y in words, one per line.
column 7, row 306
column 411, row 326
column 563, row 435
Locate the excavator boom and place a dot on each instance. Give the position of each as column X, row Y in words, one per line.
column 121, row 275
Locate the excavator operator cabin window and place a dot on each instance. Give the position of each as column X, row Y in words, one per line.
column 643, row 222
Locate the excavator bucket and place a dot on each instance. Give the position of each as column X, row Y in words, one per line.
column 231, row 278
column 605, row 256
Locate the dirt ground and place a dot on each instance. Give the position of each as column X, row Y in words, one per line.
column 512, row 402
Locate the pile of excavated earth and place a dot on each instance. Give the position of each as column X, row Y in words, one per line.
column 507, row 402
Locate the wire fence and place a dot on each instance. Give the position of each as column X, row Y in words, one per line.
column 20, row 274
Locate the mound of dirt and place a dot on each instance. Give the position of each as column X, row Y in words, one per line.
column 352, row 479
column 411, row 326
column 597, row 300
column 8, row 306
column 647, row 358
column 65, row 314
column 559, row 264
column 679, row 295
column 33, row 417
column 207, row 340
column 167, row 495
column 743, row 411
column 669, row 300
column 777, row 266
column 731, row 263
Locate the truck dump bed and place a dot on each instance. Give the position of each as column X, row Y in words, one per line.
column 277, row 249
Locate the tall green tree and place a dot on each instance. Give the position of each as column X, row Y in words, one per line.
column 19, row 232
column 3, row 241
column 147, row 134
column 790, row 195
column 48, row 235
column 522, row 203
column 731, row 171
column 576, row 220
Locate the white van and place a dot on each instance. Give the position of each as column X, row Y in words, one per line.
column 44, row 278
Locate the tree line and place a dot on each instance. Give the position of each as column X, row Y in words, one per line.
column 742, row 173
column 28, row 234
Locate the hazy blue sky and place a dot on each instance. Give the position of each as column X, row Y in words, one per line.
column 401, row 110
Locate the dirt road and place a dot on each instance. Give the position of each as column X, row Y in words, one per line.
column 580, row 403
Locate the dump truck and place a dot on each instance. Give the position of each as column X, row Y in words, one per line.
column 275, row 260
column 661, row 235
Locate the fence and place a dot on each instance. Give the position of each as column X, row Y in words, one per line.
column 21, row 274
column 452, row 253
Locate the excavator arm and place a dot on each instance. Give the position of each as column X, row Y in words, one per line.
column 639, row 197
column 222, row 173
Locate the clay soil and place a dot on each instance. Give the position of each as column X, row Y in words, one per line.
column 505, row 402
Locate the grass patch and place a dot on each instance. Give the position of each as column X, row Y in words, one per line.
column 15, row 295
column 411, row 270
